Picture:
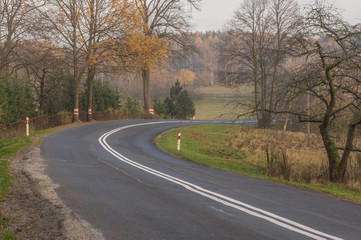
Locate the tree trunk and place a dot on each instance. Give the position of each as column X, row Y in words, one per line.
column 226, row 75
column 257, row 102
column 309, row 123
column 330, row 146
column 74, row 22
column 255, row 80
column 42, row 93
column 285, row 125
column 265, row 121
column 337, row 166
column 272, row 93
column 146, row 89
column 346, row 152
column 90, row 81
column 76, row 92
column 332, row 154
column 262, row 123
column 76, row 100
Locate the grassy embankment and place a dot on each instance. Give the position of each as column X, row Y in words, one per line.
column 241, row 149
column 220, row 102
column 8, row 149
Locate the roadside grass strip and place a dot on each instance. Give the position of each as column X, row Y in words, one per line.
column 8, row 149
column 227, row 201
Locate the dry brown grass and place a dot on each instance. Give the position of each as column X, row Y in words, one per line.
column 353, row 174
column 292, row 156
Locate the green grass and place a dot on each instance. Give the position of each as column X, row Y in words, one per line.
column 209, row 145
column 4, row 179
column 9, row 147
column 5, row 183
column 220, row 102
column 211, row 108
column 8, row 235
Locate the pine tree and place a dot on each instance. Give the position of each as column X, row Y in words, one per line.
column 179, row 104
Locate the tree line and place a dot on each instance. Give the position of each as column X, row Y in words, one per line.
column 45, row 43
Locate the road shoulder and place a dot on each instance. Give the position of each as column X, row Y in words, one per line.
column 33, row 209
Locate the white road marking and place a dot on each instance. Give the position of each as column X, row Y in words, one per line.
column 251, row 210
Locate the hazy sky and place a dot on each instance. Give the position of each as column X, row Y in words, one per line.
column 216, row 13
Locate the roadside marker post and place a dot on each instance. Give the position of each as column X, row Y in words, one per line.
column 179, row 141
column 27, row 127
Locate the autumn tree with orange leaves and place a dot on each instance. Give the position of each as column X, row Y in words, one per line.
column 163, row 19
column 137, row 50
column 102, row 22
column 131, row 34
column 88, row 30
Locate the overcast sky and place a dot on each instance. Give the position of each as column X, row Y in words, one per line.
column 215, row 13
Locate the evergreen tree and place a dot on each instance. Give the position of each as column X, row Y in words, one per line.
column 104, row 98
column 17, row 101
column 178, row 105
column 61, row 99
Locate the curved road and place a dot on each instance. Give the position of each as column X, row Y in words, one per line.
column 111, row 174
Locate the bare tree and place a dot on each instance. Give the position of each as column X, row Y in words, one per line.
column 14, row 25
column 63, row 18
column 263, row 35
column 332, row 78
column 41, row 62
column 167, row 19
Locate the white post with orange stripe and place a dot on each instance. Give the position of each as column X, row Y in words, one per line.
column 179, row 141
column 27, row 127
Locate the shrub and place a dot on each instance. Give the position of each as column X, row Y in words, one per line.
column 160, row 107
column 278, row 164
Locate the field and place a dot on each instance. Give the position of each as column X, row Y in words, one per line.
column 267, row 154
column 221, row 102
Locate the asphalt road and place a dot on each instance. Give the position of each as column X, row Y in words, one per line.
column 115, row 178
